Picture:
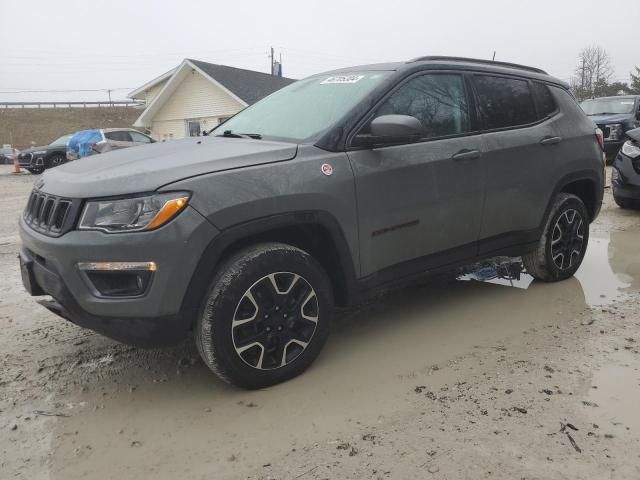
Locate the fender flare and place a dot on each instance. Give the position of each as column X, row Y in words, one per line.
column 213, row 253
column 590, row 175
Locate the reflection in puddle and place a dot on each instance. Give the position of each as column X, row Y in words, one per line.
column 611, row 265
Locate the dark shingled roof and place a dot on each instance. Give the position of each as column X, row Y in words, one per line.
column 250, row 86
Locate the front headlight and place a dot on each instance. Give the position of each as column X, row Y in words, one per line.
column 615, row 131
column 132, row 214
column 630, row 149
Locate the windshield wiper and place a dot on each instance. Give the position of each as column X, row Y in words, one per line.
column 230, row 134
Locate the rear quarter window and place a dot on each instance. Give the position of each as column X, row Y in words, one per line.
column 546, row 104
column 504, row 102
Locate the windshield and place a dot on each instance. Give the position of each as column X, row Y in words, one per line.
column 304, row 108
column 607, row 105
column 61, row 141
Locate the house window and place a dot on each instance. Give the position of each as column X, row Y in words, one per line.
column 193, row 128
column 221, row 120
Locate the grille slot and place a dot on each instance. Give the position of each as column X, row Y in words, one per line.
column 60, row 215
column 49, row 214
column 47, row 210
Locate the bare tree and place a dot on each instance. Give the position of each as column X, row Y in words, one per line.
column 593, row 72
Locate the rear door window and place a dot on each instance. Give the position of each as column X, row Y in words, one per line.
column 504, row 102
column 138, row 137
column 118, row 136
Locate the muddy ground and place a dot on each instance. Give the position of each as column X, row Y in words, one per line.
column 441, row 379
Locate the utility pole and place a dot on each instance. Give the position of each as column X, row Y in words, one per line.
column 494, row 56
column 109, row 93
column 272, row 59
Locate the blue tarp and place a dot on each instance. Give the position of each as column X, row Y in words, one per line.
column 82, row 142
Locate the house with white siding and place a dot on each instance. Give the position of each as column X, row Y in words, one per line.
column 197, row 96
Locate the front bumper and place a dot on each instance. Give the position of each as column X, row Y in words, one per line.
column 29, row 160
column 157, row 317
column 626, row 184
column 612, row 147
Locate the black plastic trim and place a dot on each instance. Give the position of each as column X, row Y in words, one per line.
column 213, row 253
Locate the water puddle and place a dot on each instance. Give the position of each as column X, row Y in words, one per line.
column 614, row 397
column 611, row 265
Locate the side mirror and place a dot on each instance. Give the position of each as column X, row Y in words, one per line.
column 392, row 129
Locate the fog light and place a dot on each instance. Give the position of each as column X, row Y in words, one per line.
column 118, row 279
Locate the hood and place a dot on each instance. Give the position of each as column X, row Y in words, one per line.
column 610, row 118
column 148, row 167
column 34, row 149
column 634, row 134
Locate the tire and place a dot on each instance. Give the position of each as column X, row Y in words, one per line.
column 626, row 203
column 266, row 316
column 36, row 170
column 563, row 243
column 55, row 160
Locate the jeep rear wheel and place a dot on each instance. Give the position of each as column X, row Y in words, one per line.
column 266, row 316
column 563, row 243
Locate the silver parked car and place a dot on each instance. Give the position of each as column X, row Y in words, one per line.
column 90, row 142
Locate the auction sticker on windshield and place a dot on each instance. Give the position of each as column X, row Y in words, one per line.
column 342, row 79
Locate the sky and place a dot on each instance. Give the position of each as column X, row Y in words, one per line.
column 69, row 45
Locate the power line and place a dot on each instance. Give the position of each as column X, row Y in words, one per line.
column 80, row 90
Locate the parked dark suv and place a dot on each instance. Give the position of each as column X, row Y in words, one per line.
column 334, row 185
column 37, row 159
column 614, row 116
column 625, row 172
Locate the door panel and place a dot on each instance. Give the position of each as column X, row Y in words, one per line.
column 520, row 160
column 415, row 200
column 518, row 181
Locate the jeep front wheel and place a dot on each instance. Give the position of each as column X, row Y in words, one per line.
column 564, row 240
column 266, row 316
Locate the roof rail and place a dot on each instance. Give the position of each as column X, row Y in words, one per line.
column 477, row 60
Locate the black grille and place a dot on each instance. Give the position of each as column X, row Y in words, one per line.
column 49, row 214
column 606, row 131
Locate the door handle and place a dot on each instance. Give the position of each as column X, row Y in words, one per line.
column 466, row 154
column 550, row 140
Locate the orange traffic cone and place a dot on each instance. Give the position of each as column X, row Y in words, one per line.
column 16, row 165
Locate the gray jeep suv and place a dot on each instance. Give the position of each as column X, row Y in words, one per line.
column 332, row 186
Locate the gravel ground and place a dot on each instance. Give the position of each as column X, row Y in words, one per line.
column 441, row 379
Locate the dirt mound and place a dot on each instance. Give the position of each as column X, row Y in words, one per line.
column 22, row 126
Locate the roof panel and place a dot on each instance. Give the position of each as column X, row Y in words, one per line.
column 248, row 85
